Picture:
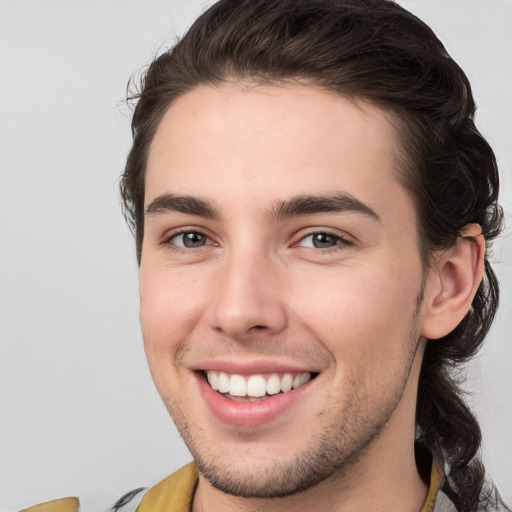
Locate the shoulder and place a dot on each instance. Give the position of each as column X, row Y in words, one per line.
column 62, row 505
column 175, row 492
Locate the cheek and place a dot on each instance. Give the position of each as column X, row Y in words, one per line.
column 170, row 304
column 360, row 311
column 166, row 318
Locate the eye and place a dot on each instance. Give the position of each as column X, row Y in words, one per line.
column 322, row 240
column 189, row 240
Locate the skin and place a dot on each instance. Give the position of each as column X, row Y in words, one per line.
column 255, row 288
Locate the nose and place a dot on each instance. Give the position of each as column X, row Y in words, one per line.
column 249, row 301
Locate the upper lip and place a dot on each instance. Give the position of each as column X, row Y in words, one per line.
column 252, row 367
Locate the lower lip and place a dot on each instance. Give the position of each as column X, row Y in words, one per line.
column 249, row 414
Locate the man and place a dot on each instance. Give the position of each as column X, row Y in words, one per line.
column 311, row 203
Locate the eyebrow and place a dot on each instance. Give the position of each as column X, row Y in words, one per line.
column 339, row 202
column 183, row 204
column 297, row 206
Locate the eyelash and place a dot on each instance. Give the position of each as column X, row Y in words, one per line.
column 168, row 240
column 341, row 242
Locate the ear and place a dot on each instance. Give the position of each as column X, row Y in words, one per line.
column 452, row 283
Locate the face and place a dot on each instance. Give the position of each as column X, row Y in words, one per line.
column 279, row 283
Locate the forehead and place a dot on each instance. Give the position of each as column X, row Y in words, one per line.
column 264, row 142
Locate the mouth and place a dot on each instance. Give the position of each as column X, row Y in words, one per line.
column 255, row 387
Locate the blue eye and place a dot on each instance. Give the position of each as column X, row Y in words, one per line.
column 190, row 240
column 322, row 241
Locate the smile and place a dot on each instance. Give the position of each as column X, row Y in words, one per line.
column 251, row 399
column 257, row 386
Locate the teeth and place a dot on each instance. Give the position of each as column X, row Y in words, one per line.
column 213, row 379
column 237, row 386
column 255, row 385
column 273, row 385
column 300, row 379
column 287, row 382
column 223, row 383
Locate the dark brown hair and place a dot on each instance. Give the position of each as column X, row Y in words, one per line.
column 377, row 51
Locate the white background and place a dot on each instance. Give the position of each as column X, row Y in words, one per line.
column 79, row 415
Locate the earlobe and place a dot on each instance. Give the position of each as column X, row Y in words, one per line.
column 453, row 283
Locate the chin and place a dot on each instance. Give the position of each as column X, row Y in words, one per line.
column 252, row 467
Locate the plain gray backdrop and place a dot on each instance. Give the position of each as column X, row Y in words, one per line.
column 79, row 414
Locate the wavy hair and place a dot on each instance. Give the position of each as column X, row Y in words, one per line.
column 377, row 51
